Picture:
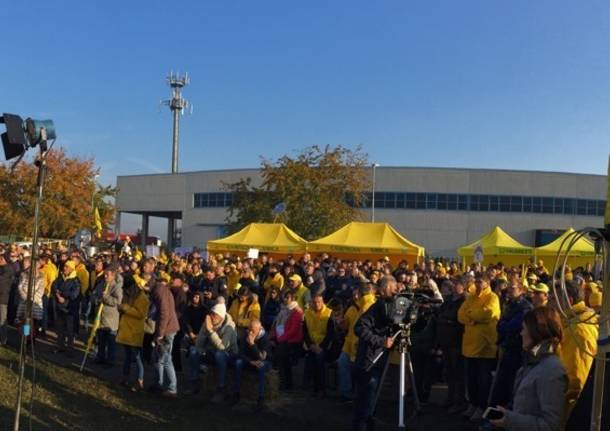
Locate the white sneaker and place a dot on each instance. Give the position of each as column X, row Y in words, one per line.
column 469, row 411
column 477, row 415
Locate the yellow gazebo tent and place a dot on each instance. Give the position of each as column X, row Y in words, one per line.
column 582, row 252
column 275, row 239
column 359, row 240
column 497, row 246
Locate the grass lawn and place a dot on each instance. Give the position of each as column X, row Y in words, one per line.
column 65, row 399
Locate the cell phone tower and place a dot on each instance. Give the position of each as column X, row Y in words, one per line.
column 178, row 106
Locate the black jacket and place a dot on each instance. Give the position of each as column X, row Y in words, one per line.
column 509, row 325
column 7, row 275
column 449, row 331
column 259, row 351
column 372, row 329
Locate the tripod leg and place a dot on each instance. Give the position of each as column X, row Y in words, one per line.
column 380, row 384
column 401, row 392
column 412, row 379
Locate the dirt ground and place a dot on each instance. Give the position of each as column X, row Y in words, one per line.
column 65, row 399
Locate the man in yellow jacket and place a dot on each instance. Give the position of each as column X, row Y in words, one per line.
column 579, row 344
column 479, row 314
column 318, row 334
column 363, row 297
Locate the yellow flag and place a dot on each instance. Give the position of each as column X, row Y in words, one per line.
column 98, row 222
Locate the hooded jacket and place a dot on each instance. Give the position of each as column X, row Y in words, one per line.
column 131, row 324
column 223, row 338
column 577, row 362
column 479, row 314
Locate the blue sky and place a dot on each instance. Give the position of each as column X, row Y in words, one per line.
column 517, row 84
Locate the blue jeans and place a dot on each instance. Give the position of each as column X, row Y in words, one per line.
column 133, row 354
column 219, row 358
column 163, row 363
column 107, row 345
column 345, row 368
column 240, row 364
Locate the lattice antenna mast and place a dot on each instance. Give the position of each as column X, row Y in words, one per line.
column 178, row 105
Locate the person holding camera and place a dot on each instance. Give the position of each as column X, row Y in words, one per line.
column 373, row 338
column 541, row 383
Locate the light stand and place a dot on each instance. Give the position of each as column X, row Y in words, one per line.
column 20, row 136
column 27, row 326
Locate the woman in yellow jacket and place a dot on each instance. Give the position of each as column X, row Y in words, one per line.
column 479, row 314
column 244, row 309
column 134, row 311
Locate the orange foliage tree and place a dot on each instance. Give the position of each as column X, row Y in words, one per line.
column 69, row 193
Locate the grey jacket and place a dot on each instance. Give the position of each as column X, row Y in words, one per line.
column 111, row 300
column 539, row 396
column 223, row 339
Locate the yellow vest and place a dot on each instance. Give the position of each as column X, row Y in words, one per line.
column 350, row 346
column 242, row 314
column 317, row 324
column 232, row 280
column 83, row 278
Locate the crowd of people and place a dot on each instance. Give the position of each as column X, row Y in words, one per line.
column 499, row 338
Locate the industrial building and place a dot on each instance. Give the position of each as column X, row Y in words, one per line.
column 439, row 208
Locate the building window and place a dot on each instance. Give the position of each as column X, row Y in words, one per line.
column 446, row 202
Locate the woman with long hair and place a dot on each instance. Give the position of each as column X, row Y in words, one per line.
column 541, row 384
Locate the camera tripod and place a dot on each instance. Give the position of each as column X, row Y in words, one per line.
column 403, row 336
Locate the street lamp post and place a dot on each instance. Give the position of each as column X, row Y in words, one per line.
column 374, row 166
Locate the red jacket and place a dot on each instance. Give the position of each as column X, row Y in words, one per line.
column 293, row 329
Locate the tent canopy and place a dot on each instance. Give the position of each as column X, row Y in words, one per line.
column 582, row 252
column 373, row 239
column 275, row 238
column 497, row 246
column 582, row 247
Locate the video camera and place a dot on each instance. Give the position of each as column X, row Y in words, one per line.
column 406, row 307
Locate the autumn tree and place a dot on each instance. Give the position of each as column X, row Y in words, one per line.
column 70, row 191
column 321, row 189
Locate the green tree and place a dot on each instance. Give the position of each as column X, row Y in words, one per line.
column 322, row 189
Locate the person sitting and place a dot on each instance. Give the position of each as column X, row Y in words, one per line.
column 244, row 309
column 288, row 334
column 216, row 344
column 193, row 318
column 318, row 333
column 271, row 308
column 540, row 385
column 254, row 355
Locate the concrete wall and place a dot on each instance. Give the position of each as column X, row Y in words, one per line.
column 441, row 232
